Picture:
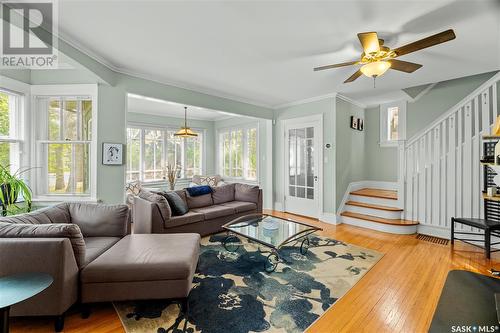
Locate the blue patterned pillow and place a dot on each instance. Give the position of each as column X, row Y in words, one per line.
column 199, row 190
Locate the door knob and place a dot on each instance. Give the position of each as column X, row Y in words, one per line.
column 315, row 178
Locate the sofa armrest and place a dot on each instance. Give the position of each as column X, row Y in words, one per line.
column 147, row 217
column 100, row 220
column 46, row 255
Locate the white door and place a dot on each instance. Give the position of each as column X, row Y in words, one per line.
column 302, row 167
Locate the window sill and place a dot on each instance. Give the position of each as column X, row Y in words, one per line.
column 240, row 180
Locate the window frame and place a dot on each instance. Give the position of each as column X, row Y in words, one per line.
column 142, row 127
column 384, row 140
column 219, row 154
column 16, row 118
column 66, row 90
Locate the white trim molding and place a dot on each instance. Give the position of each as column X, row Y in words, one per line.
column 304, row 101
column 352, row 101
column 329, row 218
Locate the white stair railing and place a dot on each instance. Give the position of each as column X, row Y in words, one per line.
column 440, row 173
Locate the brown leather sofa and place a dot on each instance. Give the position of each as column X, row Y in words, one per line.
column 207, row 213
column 81, row 246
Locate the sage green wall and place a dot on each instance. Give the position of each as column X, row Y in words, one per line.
column 111, row 117
column 439, row 100
column 326, row 107
column 207, row 126
column 381, row 162
column 351, row 163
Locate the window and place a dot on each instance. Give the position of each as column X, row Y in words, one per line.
column 10, row 129
column 238, row 156
column 64, row 144
column 392, row 123
column 149, row 150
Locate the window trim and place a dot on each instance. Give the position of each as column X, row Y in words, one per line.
column 384, row 126
column 219, row 161
column 66, row 90
column 146, row 126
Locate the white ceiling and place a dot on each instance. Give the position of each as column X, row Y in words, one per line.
column 264, row 52
column 158, row 107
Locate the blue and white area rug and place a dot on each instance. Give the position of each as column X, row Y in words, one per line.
column 232, row 292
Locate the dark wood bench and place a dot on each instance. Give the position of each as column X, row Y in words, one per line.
column 489, row 227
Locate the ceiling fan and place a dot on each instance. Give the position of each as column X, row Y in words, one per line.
column 378, row 58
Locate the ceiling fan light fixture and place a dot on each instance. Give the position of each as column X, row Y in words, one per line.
column 374, row 69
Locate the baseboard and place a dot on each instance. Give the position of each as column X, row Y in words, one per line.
column 278, row 206
column 431, row 230
column 329, row 218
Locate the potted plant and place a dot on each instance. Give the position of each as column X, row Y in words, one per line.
column 11, row 186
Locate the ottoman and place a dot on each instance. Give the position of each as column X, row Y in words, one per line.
column 142, row 266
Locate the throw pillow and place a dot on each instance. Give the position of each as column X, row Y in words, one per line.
column 161, row 202
column 223, row 194
column 199, row 190
column 177, row 204
column 206, row 180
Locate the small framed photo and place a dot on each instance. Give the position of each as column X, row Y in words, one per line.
column 354, row 122
column 112, row 153
column 360, row 124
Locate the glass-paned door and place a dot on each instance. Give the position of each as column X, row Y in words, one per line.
column 301, row 164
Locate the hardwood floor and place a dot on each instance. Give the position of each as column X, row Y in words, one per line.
column 399, row 294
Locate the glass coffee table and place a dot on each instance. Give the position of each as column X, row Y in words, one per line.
column 270, row 231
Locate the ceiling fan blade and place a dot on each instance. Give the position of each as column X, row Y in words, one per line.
column 336, row 65
column 439, row 38
column 369, row 41
column 404, row 66
column 353, row 76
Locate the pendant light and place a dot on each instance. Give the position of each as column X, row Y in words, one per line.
column 185, row 132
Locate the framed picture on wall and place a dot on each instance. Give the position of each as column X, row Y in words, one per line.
column 112, row 153
column 354, row 122
column 360, row 124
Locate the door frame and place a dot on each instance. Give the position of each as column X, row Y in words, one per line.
column 292, row 121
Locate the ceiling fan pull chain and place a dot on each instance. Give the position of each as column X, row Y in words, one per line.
column 374, row 77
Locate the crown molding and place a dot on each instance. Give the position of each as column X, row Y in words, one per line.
column 304, row 101
column 352, row 101
column 140, row 75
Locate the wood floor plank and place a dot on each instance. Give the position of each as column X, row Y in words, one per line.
column 399, row 294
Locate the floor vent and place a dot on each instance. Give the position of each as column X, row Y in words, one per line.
column 433, row 239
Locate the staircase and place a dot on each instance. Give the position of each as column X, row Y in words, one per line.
column 376, row 209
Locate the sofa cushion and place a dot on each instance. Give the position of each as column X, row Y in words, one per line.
column 177, row 204
column 55, row 214
column 189, row 217
column 245, row 192
column 51, row 230
column 215, row 211
column 100, row 219
column 159, row 199
column 223, row 194
column 149, row 257
column 240, row 206
column 195, row 191
column 199, row 201
column 95, row 246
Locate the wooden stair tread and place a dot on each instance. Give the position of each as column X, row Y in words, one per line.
column 379, row 219
column 376, row 193
column 367, row 205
